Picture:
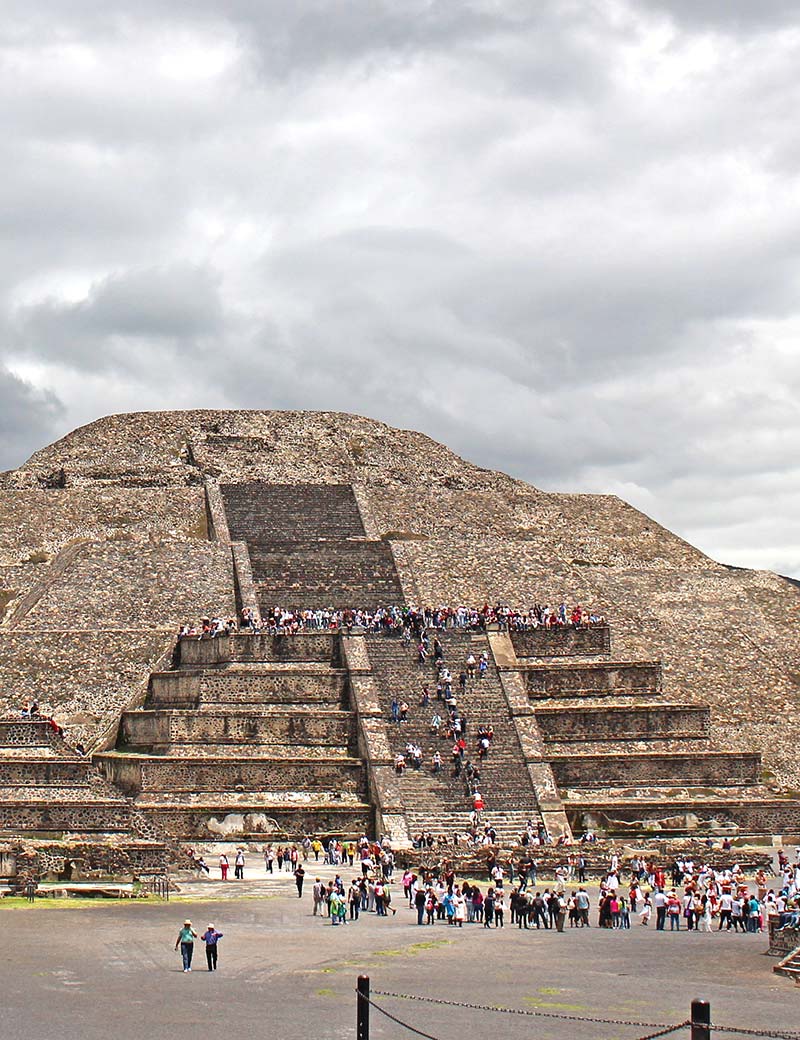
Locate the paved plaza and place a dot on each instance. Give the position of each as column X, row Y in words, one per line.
column 109, row 969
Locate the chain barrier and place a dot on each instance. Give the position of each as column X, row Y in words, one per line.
column 394, row 1018
column 779, row 1035
column 536, row 1013
column 663, row 1028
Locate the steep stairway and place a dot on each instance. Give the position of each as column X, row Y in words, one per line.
column 251, row 738
column 308, row 547
column 441, row 803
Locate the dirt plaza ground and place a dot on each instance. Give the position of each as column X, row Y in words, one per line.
column 109, row 969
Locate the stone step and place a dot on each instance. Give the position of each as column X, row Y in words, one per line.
column 700, row 811
column 504, row 782
column 43, row 772
column 664, row 719
column 275, row 820
column 622, row 678
column 713, row 768
column 301, row 727
column 562, row 642
column 135, row 773
column 241, row 648
column 290, row 511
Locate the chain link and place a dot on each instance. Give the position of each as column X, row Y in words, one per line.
column 782, row 1035
column 537, row 1013
column 534, row 1013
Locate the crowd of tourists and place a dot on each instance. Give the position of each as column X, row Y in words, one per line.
column 687, row 895
column 393, row 620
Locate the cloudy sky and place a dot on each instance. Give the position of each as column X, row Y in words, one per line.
column 562, row 237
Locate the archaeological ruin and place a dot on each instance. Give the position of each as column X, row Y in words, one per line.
column 680, row 716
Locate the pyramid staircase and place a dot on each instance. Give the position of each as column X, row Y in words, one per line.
column 308, row 547
column 441, row 804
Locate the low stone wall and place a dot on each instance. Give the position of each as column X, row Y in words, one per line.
column 782, row 941
column 615, row 722
column 303, row 728
column 80, row 860
column 26, row 733
column 562, row 642
column 42, row 773
column 699, row 768
column 188, row 689
column 49, row 817
column 253, row 775
column 683, row 816
column 568, row 680
column 259, row 648
column 271, row 823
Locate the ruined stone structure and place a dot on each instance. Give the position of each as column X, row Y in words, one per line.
column 681, row 717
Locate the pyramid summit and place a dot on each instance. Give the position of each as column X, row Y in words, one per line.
column 680, row 715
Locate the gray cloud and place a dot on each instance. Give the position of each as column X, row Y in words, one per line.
column 27, row 416
column 560, row 237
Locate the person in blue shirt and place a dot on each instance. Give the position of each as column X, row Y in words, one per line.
column 186, row 938
column 211, row 937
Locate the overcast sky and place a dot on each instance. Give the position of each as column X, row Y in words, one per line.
column 564, row 238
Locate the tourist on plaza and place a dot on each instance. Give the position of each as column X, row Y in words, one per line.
column 299, row 876
column 186, row 938
column 223, row 866
column 211, row 937
column 238, row 865
column 318, row 896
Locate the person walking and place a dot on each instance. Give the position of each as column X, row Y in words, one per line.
column 420, row 899
column 238, row 866
column 299, row 875
column 223, row 866
column 186, row 938
column 211, row 937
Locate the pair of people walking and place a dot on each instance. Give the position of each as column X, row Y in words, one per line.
column 186, row 938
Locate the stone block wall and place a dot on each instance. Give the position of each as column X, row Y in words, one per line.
column 252, row 775
column 190, row 688
column 55, row 772
column 258, row 649
column 267, row 824
column 624, row 723
column 593, row 679
column 755, row 816
column 58, row 817
column 704, row 768
column 149, row 728
column 562, row 642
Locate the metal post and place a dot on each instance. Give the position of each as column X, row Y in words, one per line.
column 362, row 1008
column 701, row 1020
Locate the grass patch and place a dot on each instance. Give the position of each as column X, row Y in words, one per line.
column 552, row 1004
